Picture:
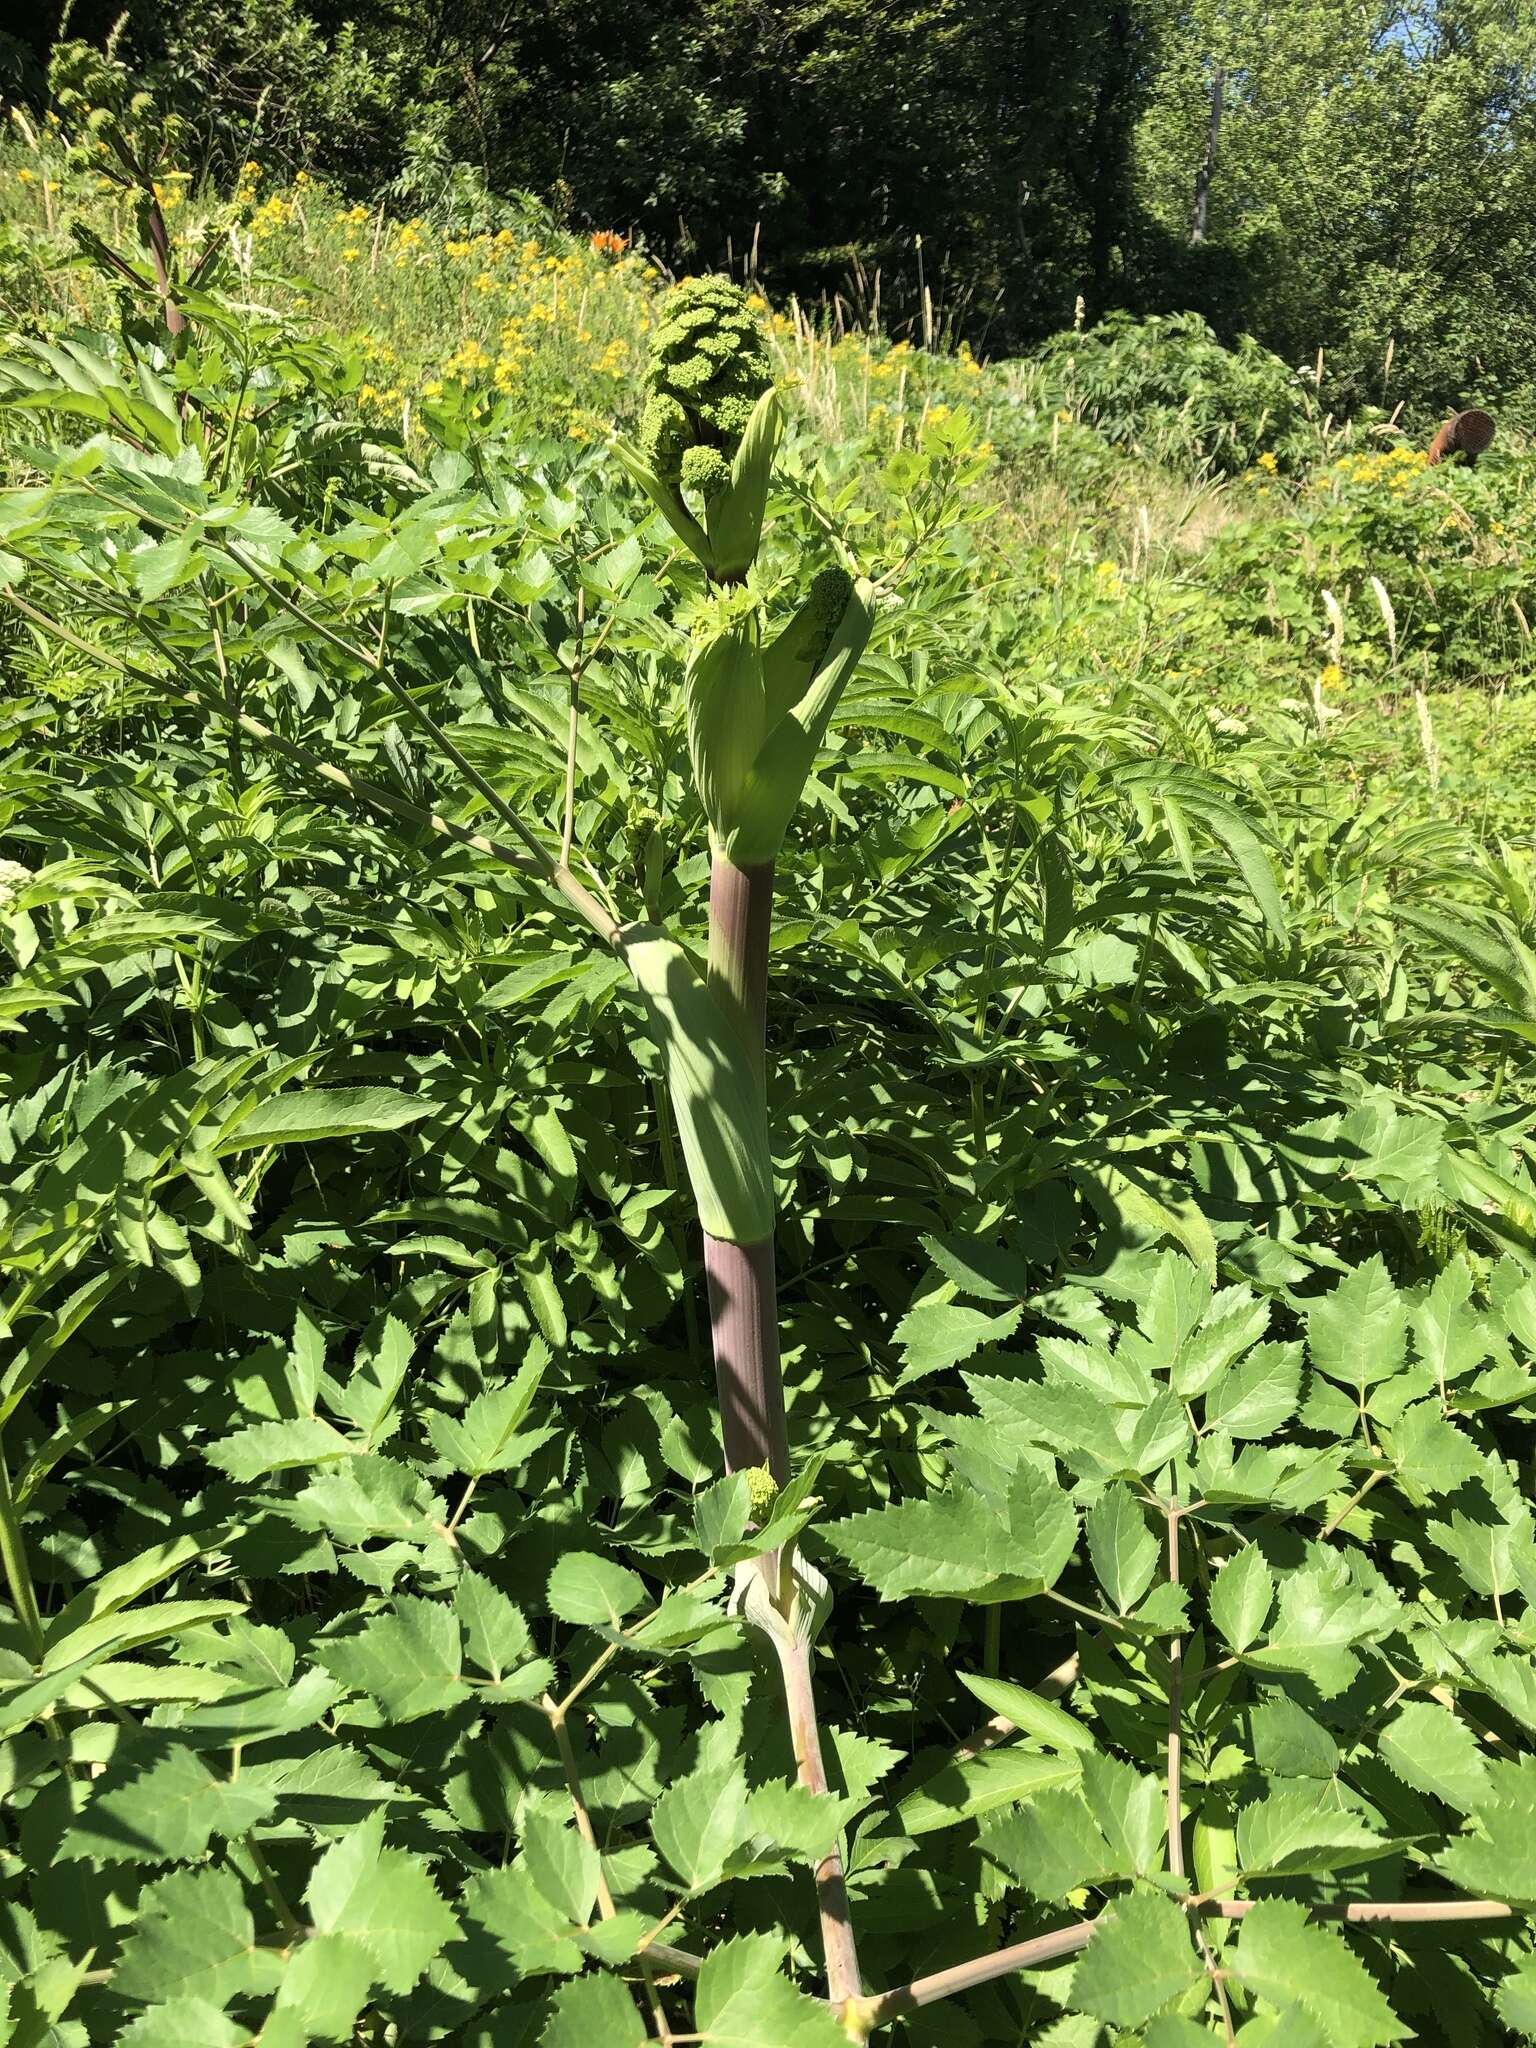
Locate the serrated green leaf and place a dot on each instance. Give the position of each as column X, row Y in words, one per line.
column 1358, row 1334
column 589, row 2010
column 586, row 1588
column 1130, row 1810
column 1258, row 1394
column 270, row 1447
column 1123, row 1551
column 410, row 1661
column 803, row 1824
column 976, row 1785
column 1141, row 1958
column 744, row 2001
column 383, row 1898
column 561, row 1864
column 159, row 1802
column 1290, row 1832
column 939, row 1334
column 1053, row 1845
column 194, row 1938
column 1042, row 1526
column 306, row 1116
column 326, row 1984
column 1046, row 1720
column 495, row 1633
column 1283, row 1957
column 1496, row 1857
column 485, row 1438
column 700, row 1820
column 948, row 1544
column 1243, row 1593
column 1434, row 1752
column 1516, row 1999
column 183, row 2023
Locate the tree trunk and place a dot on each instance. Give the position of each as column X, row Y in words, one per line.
column 1200, row 218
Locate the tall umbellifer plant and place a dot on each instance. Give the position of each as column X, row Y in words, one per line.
column 757, row 709
column 117, row 130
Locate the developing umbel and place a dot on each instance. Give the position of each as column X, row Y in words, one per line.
column 710, row 426
column 708, row 368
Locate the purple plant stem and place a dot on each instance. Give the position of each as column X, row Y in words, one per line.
column 743, row 1297
column 740, row 921
column 744, row 1325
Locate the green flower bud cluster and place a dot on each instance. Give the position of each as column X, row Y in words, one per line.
column 762, row 1490
column 108, row 113
column 708, row 368
column 821, row 614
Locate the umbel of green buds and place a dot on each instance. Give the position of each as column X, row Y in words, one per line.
column 707, row 370
column 711, row 424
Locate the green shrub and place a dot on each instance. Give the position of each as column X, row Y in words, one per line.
column 1167, row 388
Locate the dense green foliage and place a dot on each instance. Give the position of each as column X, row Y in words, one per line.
column 1150, row 1100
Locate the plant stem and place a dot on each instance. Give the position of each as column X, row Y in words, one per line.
column 744, row 1325
column 1046, row 1948
column 992, row 1641
column 1175, row 1715
column 740, row 923
column 842, row 1957
column 1175, row 1774
column 743, row 1306
column 293, row 1927
column 573, row 731
column 605, row 1906
column 1336, row 1520
column 18, row 1573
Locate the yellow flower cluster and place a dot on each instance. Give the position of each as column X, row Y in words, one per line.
column 467, row 359
column 1394, row 467
column 271, row 215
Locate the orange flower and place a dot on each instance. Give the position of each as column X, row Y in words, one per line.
column 606, row 243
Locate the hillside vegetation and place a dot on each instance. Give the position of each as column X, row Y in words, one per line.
column 387, row 1656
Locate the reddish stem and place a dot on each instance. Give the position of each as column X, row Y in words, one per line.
column 740, row 921
column 160, row 254
column 743, row 1315
column 744, row 1324
column 743, row 1298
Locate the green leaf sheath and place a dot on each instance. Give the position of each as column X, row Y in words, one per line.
column 714, row 1086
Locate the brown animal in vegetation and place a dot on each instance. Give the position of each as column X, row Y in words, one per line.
column 1465, row 433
